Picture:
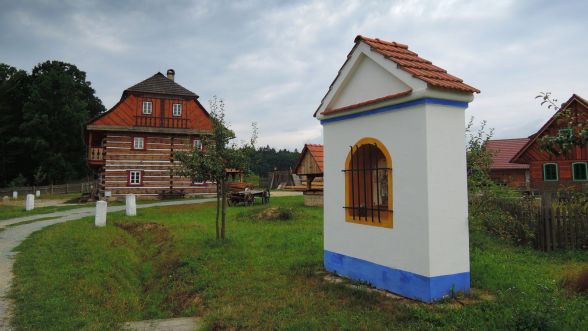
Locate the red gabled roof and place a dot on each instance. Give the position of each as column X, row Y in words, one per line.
column 535, row 136
column 503, row 150
column 417, row 66
column 315, row 151
column 408, row 61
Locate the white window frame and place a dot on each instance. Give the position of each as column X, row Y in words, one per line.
column 177, row 109
column 135, row 178
column 197, row 143
column 147, row 107
column 138, row 142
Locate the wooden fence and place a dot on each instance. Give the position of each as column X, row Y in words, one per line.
column 563, row 227
column 557, row 225
column 80, row 187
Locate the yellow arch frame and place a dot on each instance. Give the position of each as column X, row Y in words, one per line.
column 388, row 220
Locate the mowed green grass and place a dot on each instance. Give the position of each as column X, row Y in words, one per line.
column 165, row 263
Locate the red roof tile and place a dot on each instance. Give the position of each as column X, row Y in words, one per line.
column 368, row 102
column 315, row 151
column 420, row 68
column 503, row 150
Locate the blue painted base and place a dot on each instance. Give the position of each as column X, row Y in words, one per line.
column 407, row 284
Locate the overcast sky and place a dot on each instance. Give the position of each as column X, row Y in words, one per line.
column 272, row 61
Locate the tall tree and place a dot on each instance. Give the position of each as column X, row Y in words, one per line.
column 577, row 122
column 14, row 90
column 217, row 155
column 61, row 101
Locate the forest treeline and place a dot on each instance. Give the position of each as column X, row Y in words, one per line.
column 42, row 118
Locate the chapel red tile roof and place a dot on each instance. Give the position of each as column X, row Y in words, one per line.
column 503, row 150
column 417, row 66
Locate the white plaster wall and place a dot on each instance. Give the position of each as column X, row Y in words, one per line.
column 405, row 246
column 447, row 195
column 367, row 81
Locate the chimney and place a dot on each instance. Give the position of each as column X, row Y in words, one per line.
column 170, row 74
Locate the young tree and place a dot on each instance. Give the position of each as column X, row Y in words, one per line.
column 478, row 157
column 559, row 144
column 217, row 155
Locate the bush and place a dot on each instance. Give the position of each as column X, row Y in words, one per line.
column 501, row 224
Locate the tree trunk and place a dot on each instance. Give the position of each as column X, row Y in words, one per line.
column 224, row 208
column 218, row 202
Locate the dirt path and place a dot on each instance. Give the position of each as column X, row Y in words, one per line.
column 11, row 237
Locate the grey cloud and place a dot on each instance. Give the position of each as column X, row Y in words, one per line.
column 273, row 61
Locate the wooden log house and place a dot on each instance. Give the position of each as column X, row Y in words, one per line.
column 132, row 145
column 552, row 172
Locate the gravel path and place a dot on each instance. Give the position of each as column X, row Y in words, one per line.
column 11, row 237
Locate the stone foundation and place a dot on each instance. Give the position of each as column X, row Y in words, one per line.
column 313, row 198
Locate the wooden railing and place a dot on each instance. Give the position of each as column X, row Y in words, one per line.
column 96, row 154
column 165, row 122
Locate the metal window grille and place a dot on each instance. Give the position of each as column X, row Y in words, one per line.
column 367, row 184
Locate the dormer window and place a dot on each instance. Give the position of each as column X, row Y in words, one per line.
column 147, row 107
column 177, row 109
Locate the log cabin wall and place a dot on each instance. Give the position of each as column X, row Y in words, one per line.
column 155, row 162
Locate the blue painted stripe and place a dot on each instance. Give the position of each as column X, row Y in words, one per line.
column 405, row 283
column 422, row 101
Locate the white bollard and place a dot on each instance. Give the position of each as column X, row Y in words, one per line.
column 30, row 202
column 38, row 194
column 100, row 219
column 15, row 195
column 131, row 205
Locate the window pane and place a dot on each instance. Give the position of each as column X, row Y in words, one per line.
column 147, row 107
column 550, row 171
column 580, row 172
column 138, row 143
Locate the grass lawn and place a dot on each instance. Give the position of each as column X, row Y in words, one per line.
column 165, row 262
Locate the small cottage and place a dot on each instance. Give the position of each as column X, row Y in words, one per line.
column 395, row 195
column 502, row 170
column 310, row 167
column 132, row 145
column 549, row 172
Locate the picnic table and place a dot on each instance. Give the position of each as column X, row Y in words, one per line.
column 247, row 197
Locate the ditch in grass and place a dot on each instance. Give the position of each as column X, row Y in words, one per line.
column 265, row 275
